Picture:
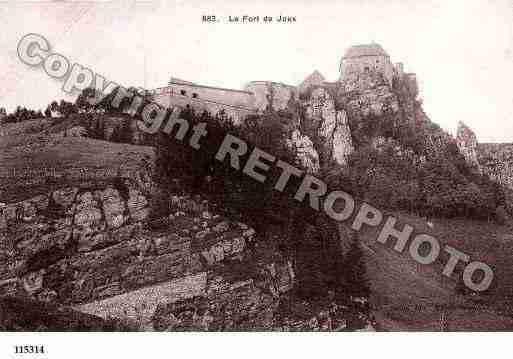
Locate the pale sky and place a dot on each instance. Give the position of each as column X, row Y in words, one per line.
column 461, row 51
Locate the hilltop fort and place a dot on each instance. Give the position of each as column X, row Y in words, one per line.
column 99, row 233
column 359, row 65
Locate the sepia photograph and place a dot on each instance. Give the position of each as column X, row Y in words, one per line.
column 246, row 167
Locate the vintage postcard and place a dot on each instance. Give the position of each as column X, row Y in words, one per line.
column 251, row 166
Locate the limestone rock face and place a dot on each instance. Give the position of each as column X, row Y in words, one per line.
column 334, row 128
column 40, row 201
column 137, row 205
column 368, row 94
column 270, row 95
column 33, row 282
column 88, row 216
column 342, row 142
column 89, row 244
column 113, row 207
column 76, row 131
column 467, row 144
column 65, row 197
column 195, row 272
column 307, row 155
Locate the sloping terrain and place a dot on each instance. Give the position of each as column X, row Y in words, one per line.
column 406, row 295
column 23, row 314
column 33, row 164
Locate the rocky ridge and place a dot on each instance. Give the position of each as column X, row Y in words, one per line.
column 87, row 248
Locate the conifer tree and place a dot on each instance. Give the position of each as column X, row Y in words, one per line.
column 96, row 129
column 356, row 279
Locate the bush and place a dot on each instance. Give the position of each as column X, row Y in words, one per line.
column 356, row 283
column 122, row 133
column 501, row 215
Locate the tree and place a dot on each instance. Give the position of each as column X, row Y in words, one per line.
column 3, row 114
column 107, row 102
column 96, row 129
column 54, row 107
column 356, row 283
column 122, row 133
column 48, row 112
column 66, row 108
column 21, row 114
column 83, row 101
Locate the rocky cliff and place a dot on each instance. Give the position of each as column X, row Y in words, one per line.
column 367, row 94
column 334, row 129
column 95, row 249
column 307, row 155
column 492, row 159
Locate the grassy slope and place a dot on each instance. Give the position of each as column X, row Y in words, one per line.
column 99, row 160
column 25, row 127
column 410, row 296
column 23, row 314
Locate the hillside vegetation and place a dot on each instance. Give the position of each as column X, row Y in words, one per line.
column 402, row 162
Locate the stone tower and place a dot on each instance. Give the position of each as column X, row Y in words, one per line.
column 366, row 58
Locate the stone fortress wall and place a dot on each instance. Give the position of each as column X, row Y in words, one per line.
column 357, row 64
column 237, row 104
column 273, row 94
column 362, row 69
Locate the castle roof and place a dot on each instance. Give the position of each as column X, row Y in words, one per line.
column 365, row 50
column 315, row 78
column 271, row 83
column 176, row 80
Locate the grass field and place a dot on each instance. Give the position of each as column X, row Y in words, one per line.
column 410, row 296
column 32, row 164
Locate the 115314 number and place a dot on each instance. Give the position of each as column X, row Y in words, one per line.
column 29, row 349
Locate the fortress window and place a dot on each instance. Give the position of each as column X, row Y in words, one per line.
column 194, row 95
column 183, row 92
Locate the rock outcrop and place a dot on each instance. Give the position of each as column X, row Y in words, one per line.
column 334, row 129
column 92, row 249
column 307, row 155
column 368, row 94
column 51, row 244
column 494, row 160
column 467, row 144
column 76, row 131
